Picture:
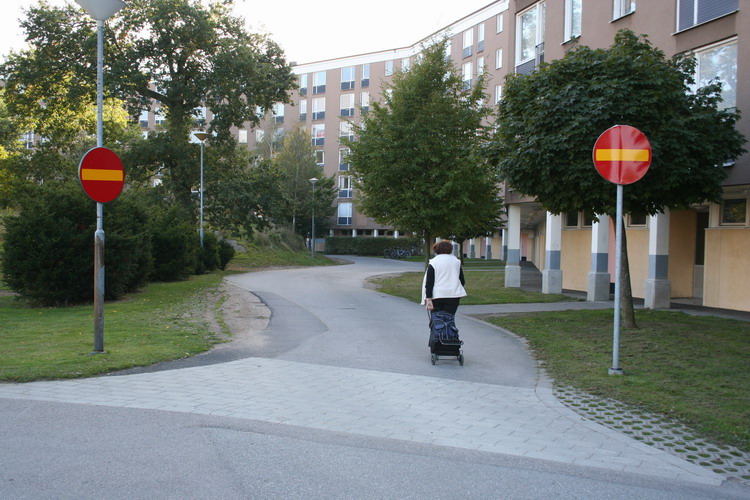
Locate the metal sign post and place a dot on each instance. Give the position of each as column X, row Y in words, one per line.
column 622, row 155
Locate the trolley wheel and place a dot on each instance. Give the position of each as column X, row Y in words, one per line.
column 433, row 358
column 461, row 359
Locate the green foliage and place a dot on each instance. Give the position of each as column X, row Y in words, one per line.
column 49, row 251
column 338, row 245
column 549, row 120
column 208, row 254
column 182, row 53
column 417, row 154
column 226, row 253
column 296, row 163
column 175, row 244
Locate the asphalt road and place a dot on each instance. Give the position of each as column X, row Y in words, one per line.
column 336, row 399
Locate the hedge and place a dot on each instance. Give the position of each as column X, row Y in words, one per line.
column 343, row 245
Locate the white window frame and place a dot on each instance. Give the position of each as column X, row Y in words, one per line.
column 498, row 93
column 343, row 163
column 344, row 211
column 467, row 71
column 405, row 64
column 573, row 25
column 319, row 82
column 346, row 104
column 320, row 157
column 468, row 42
column 498, row 58
column 318, row 132
column 389, row 67
column 364, row 100
column 699, row 81
column 480, row 66
column 346, row 129
column 621, row 8
column 539, row 13
column 303, row 84
column 242, row 136
column 348, row 77
column 500, row 21
column 303, row 109
column 318, row 108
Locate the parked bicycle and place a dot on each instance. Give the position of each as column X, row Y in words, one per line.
column 396, row 253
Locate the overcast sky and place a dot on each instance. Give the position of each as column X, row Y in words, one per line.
column 310, row 30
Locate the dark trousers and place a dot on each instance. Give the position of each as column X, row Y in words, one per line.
column 447, row 305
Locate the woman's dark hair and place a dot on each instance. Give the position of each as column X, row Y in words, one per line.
column 443, row 246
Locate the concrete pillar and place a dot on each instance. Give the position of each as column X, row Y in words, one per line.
column 513, row 261
column 552, row 274
column 375, row 233
column 658, row 289
column 472, row 249
column 488, row 248
column 456, row 249
column 504, row 245
column 395, row 235
column 354, row 233
column 599, row 278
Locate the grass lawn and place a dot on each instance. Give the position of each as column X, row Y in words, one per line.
column 484, row 285
column 160, row 323
column 691, row 368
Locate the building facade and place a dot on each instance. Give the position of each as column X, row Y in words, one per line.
column 700, row 253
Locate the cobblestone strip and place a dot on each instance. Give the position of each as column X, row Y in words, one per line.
column 660, row 432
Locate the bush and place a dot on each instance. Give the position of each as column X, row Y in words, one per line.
column 226, row 253
column 175, row 245
column 339, row 245
column 49, row 247
column 208, row 254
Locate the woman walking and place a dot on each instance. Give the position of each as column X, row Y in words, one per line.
column 443, row 284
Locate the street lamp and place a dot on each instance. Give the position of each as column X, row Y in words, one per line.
column 100, row 10
column 313, row 181
column 201, row 136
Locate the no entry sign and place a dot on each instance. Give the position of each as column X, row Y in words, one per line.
column 101, row 174
column 622, row 154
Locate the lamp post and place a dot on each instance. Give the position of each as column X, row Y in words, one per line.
column 201, row 136
column 312, row 240
column 100, row 10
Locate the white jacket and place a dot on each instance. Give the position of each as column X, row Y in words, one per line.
column 447, row 283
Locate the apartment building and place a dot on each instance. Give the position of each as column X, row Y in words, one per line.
column 699, row 254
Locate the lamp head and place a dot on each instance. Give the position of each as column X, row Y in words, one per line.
column 101, row 10
column 201, row 136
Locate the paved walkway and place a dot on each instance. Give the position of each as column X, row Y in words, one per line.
column 496, row 413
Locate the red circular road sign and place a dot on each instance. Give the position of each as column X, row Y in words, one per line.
column 101, row 174
column 622, row 154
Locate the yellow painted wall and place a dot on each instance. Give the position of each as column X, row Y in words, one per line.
column 682, row 227
column 727, row 276
column 575, row 258
column 638, row 259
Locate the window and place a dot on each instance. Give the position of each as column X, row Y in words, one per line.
column 319, row 82
column 345, row 186
column 498, row 94
column 468, row 42
column 500, row 20
column 467, row 75
column 480, row 37
column 448, row 49
column 320, row 157
column 693, row 12
column 318, row 134
column 498, row 58
column 573, row 12
column 588, row 218
column 344, row 159
column 347, row 78
column 734, row 211
column 622, row 8
column 346, row 130
column 530, row 35
column 405, row 64
column 143, row 119
column 364, row 101
column 159, row 117
column 365, row 75
column 303, row 84
column 571, row 219
column 388, row 68
column 242, row 136
column 719, row 63
column 28, row 139
column 345, row 214
column 278, row 112
column 259, row 135
column 303, row 110
column 347, row 104
column 638, row 219
column 480, row 66
column 319, row 108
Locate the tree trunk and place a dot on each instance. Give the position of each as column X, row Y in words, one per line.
column 626, row 290
column 427, row 249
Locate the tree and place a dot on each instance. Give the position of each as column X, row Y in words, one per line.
column 297, row 164
column 178, row 53
column 417, row 159
column 549, row 120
